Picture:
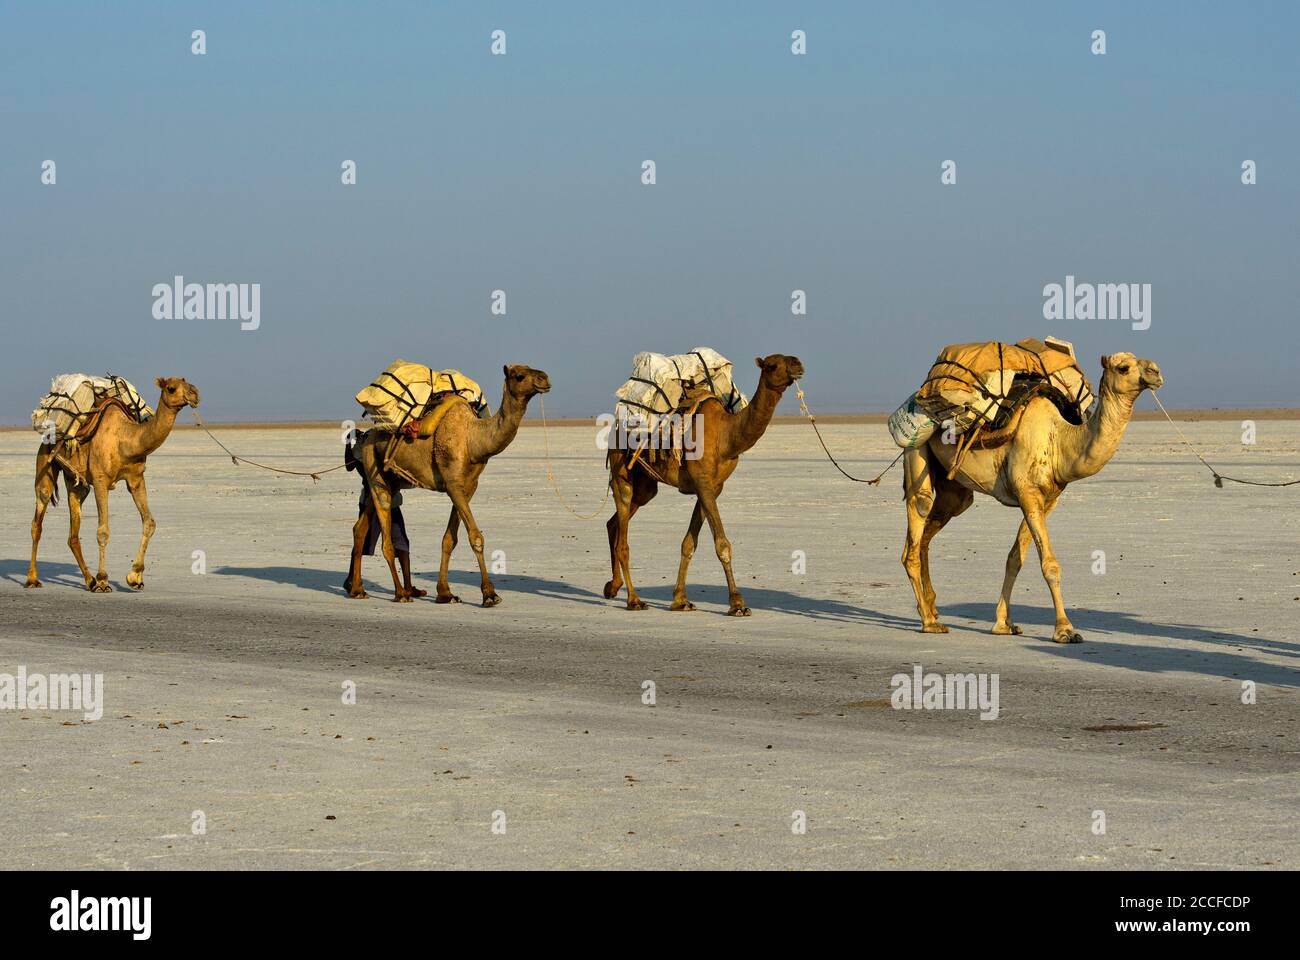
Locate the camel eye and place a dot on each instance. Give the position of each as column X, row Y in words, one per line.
column 1123, row 368
column 171, row 389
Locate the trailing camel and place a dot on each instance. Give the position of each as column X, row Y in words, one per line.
column 724, row 437
column 451, row 462
column 117, row 450
column 1043, row 456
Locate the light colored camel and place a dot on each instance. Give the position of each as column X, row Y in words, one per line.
column 723, row 438
column 117, row 451
column 451, row 462
column 1030, row 471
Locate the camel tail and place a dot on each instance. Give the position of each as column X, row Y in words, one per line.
column 54, row 492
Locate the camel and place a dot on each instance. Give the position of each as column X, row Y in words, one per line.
column 724, row 437
column 116, row 451
column 1044, row 454
column 450, row 462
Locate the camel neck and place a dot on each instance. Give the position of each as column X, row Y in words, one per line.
column 750, row 424
column 145, row 438
column 495, row 434
column 1090, row 446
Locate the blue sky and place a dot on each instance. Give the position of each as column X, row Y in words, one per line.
column 775, row 172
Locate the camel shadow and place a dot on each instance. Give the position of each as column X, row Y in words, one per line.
column 777, row 601
column 1147, row 658
column 331, row 581
column 51, row 574
column 466, row 583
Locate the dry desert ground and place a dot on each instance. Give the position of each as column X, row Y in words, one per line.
column 224, row 689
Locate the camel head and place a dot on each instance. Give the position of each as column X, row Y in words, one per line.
column 1127, row 375
column 177, row 393
column 779, row 370
column 524, row 382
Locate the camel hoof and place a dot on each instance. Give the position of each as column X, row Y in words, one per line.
column 32, row 583
column 611, row 590
column 1067, row 636
column 358, row 595
column 1007, row 630
column 637, row 604
column 402, row 598
column 682, row 605
column 446, row 598
column 417, row 592
column 100, row 586
column 739, row 612
column 490, row 599
column 935, row 627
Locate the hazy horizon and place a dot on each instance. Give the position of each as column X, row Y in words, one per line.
column 775, row 172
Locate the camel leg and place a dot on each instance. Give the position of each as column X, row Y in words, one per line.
column 140, row 495
column 460, row 500
column 448, row 545
column 353, row 585
column 948, row 501
column 625, row 507
column 76, row 496
column 689, row 543
column 1015, row 560
column 708, row 500
column 1036, row 518
column 912, row 563
column 45, row 481
column 383, row 511
column 101, row 584
column 615, row 582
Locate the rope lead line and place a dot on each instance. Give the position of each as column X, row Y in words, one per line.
column 237, row 460
column 550, row 474
column 803, row 405
column 1218, row 477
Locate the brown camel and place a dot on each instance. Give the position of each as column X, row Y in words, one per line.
column 451, row 462
column 1045, row 454
column 724, row 437
column 117, row 451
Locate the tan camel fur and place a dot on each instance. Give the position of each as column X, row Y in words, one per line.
column 117, row 451
column 724, row 437
column 1046, row 454
column 451, row 462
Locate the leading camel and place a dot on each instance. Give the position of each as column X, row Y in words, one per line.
column 1030, row 471
column 116, row 451
column 723, row 438
column 450, row 461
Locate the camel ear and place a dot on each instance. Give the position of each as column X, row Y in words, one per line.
column 758, row 362
column 160, row 382
column 505, row 370
column 1105, row 362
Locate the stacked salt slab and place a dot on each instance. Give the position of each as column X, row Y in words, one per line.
column 658, row 384
column 73, row 397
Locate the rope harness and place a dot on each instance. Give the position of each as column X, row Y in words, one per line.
column 803, row 405
column 237, row 460
column 1218, row 477
column 550, row 473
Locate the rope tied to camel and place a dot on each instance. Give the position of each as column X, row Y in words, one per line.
column 237, row 460
column 550, row 473
column 1218, row 477
column 803, row 405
